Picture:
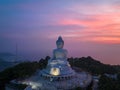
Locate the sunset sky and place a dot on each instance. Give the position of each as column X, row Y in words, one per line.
column 88, row 27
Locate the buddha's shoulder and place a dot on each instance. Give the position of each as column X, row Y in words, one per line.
column 56, row 50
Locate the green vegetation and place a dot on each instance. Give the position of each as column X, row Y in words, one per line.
column 20, row 71
column 92, row 66
column 106, row 83
column 97, row 68
column 17, row 86
column 78, row 88
column 26, row 69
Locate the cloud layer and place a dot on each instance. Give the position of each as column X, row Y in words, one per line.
column 85, row 24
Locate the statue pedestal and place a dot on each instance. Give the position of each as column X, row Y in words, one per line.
column 58, row 67
column 58, row 70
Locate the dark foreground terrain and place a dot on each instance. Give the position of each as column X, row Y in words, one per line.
column 26, row 69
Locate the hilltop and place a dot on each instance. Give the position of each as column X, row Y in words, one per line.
column 26, row 69
column 93, row 66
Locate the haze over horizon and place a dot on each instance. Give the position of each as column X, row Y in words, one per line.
column 88, row 27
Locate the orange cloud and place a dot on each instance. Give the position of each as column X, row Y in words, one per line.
column 103, row 29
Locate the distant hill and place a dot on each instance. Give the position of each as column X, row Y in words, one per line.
column 6, row 54
column 4, row 64
column 94, row 66
column 8, row 60
column 9, row 57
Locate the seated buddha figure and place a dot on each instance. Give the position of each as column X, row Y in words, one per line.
column 59, row 53
column 58, row 64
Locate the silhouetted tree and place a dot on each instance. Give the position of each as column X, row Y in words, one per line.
column 106, row 83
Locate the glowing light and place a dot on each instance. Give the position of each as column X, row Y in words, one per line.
column 55, row 71
column 34, row 86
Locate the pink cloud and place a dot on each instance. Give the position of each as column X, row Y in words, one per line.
column 103, row 29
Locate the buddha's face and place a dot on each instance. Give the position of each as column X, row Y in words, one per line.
column 60, row 44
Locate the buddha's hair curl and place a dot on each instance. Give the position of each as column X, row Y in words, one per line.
column 60, row 40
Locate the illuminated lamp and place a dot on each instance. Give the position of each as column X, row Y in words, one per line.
column 55, row 71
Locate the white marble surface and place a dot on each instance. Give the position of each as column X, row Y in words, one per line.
column 82, row 79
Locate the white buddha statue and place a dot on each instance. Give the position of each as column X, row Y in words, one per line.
column 59, row 53
column 58, row 64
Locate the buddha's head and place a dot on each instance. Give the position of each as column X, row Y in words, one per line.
column 60, row 42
